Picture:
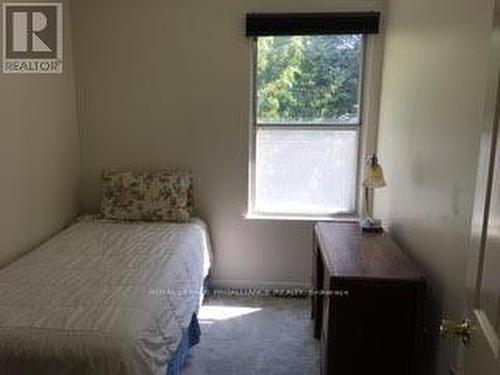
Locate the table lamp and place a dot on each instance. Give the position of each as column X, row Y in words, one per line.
column 373, row 179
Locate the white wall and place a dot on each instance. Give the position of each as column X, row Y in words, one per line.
column 39, row 154
column 433, row 88
column 167, row 83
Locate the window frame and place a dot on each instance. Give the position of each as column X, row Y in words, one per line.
column 366, row 128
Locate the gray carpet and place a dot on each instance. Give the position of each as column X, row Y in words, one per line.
column 250, row 335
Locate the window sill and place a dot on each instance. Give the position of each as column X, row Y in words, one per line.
column 293, row 217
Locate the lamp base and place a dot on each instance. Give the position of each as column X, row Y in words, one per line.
column 371, row 225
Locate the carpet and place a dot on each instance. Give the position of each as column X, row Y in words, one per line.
column 254, row 335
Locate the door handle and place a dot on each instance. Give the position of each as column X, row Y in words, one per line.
column 463, row 329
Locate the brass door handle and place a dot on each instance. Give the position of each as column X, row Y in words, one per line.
column 463, row 329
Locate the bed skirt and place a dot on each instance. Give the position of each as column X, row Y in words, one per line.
column 190, row 337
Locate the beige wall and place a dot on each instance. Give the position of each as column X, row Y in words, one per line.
column 38, row 154
column 432, row 101
column 167, row 83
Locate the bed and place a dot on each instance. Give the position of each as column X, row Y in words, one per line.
column 104, row 297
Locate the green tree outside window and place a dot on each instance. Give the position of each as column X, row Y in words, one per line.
column 308, row 79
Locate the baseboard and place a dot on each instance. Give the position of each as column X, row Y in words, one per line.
column 224, row 283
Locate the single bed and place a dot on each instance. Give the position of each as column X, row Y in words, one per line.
column 104, row 297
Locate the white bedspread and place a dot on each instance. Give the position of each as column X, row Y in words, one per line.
column 102, row 298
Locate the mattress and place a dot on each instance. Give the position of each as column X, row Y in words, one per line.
column 102, row 298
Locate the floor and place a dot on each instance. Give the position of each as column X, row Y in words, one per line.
column 255, row 335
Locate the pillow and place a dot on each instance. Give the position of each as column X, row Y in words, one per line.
column 146, row 196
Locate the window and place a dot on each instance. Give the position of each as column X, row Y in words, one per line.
column 307, row 119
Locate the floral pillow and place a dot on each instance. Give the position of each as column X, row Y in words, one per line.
column 146, row 196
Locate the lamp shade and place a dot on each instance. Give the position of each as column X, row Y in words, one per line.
column 374, row 175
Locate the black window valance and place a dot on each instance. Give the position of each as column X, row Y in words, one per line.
column 266, row 24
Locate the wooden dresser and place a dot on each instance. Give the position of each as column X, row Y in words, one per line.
column 368, row 305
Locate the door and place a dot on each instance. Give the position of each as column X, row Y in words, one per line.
column 480, row 352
